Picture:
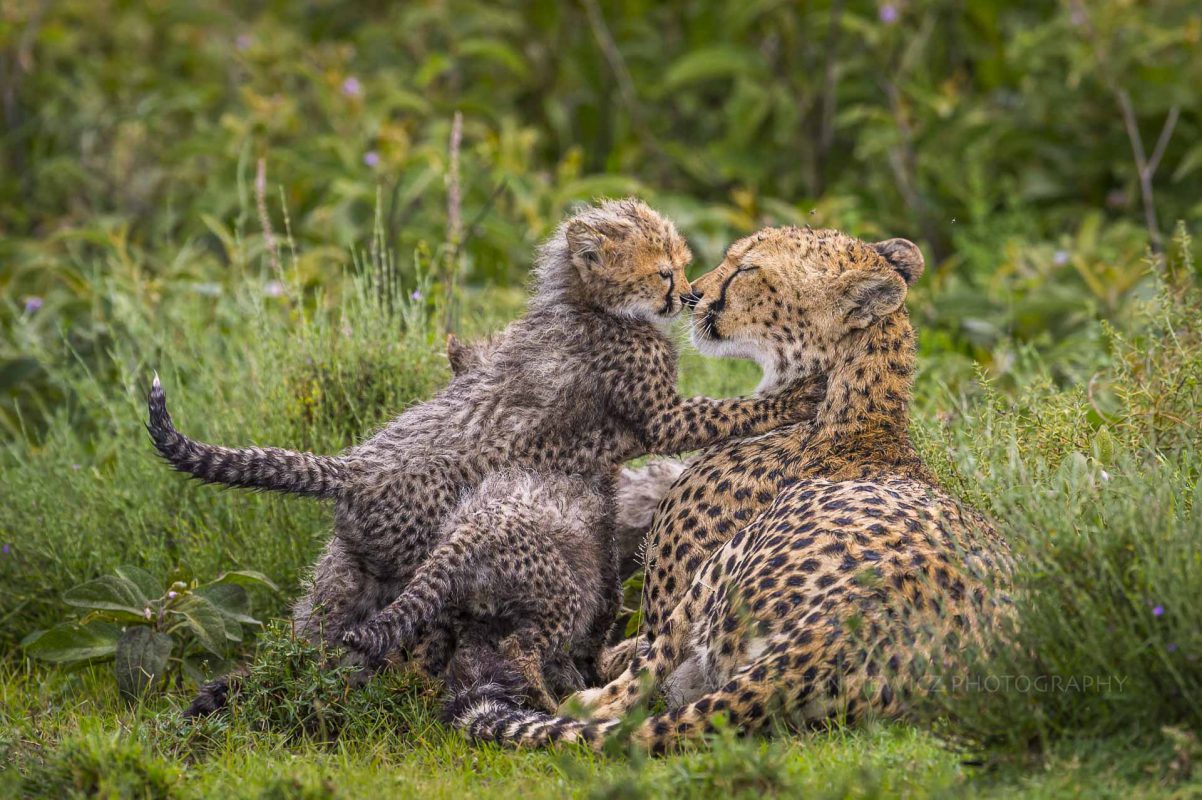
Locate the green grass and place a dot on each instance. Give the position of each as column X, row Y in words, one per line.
column 68, row 735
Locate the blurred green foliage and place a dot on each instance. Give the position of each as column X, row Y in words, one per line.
column 991, row 132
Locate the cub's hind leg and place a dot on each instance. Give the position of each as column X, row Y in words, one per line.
column 340, row 595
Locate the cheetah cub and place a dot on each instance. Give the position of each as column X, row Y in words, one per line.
column 584, row 381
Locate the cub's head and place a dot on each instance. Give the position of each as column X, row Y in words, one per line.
column 618, row 256
column 793, row 298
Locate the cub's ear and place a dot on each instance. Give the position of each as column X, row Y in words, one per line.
column 867, row 295
column 584, row 244
column 904, row 256
column 459, row 355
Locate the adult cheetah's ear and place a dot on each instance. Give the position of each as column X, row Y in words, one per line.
column 864, row 296
column 903, row 255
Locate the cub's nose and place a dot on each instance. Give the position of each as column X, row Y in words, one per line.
column 691, row 299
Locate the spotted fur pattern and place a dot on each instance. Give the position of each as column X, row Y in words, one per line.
column 812, row 571
column 639, row 489
column 584, row 381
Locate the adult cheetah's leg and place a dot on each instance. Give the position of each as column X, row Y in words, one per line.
column 648, row 669
column 748, row 701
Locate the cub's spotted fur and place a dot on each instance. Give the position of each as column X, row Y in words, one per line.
column 810, row 571
column 584, row 381
column 639, row 488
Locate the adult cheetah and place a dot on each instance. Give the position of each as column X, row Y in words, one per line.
column 807, row 572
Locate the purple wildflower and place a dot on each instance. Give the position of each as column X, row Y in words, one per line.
column 1171, row 647
column 273, row 289
column 1060, row 258
column 888, row 13
column 77, row 467
column 243, row 42
column 33, row 304
column 1158, row 611
column 5, row 549
column 351, row 87
column 172, row 595
column 416, row 296
column 371, row 158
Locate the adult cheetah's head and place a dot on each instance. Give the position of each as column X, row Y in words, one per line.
column 619, row 256
column 790, row 298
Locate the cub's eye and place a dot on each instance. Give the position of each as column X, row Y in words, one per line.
column 746, row 268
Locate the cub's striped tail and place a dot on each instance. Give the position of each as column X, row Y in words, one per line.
column 485, row 706
column 253, row 467
column 488, row 713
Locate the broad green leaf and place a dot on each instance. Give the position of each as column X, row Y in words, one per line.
column 70, row 642
column 15, row 370
column 233, row 629
column 246, row 577
column 202, row 667
column 150, row 586
column 110, row 593
column 205, row 621
column 710, row 63
column 192, row 672
column 496, row 51
column 1189, row 162
column 232, row 601
column 141, row 659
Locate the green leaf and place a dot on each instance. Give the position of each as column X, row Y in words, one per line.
column 232, row 601
column 205, row 621
column 496, row 51
column 108, row 593
column 15, row 370
column 70, row 642
column 710, row 63
column 1190, row 162
column 141, row 659
column 201, row 668
column 150, row 587
column 246, row 577
column 233, row 629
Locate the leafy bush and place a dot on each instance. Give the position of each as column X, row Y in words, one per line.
column 1101, row 502
column 153, row 630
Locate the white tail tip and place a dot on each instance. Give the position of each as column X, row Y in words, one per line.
column 156, row 383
